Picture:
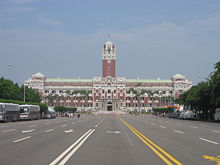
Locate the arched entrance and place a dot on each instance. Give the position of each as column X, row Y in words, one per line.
column 109, row 106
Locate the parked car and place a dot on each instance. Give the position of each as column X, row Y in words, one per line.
column 176, row 114
column 217, row 114
column 49, row 115
column 188, row 115
column 181, row 114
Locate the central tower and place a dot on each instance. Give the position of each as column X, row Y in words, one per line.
column 108, row 60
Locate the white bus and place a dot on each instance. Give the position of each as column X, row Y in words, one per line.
column 29, row 112
column 217, row 114
column 9, row 112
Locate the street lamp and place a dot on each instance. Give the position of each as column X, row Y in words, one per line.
column 24, row 92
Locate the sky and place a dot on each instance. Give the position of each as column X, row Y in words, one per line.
column 154, row 38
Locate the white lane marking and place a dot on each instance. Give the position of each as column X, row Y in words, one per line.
column 69, row 131
column 178, row 131
column 162, row 126
column 27, row 131
column 64, row 125
column 33, row 125
column 50, row 130
column 75, row 149
column 194, row 127
column 2, row 126
column 9, row 130
column 69, row 148
column 152, row 124
column 96, row 125
column 22, row 139
column 216, row 131
column 114, row 132
column 208, row 141
column 122, row 126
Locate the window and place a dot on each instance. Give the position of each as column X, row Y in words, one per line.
column 109, row 91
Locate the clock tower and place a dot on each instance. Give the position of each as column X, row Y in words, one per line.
column 108, row 60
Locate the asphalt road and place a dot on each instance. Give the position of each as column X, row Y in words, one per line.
column 110, row 140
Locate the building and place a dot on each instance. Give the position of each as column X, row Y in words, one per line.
column 109, row 92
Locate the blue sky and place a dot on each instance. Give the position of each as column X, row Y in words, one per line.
column 154, row 38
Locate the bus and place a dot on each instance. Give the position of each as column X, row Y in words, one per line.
column 29, row 112
column 9, row 112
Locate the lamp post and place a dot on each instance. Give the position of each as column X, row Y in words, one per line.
column 24, row 92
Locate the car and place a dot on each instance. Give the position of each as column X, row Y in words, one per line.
column 176, row 114
column 217, row 114
column 181, row 114
column 188, row 115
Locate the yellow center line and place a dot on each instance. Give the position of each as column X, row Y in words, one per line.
column 155, row 148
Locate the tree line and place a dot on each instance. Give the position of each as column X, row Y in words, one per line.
column 204, row 97
column 12, row 91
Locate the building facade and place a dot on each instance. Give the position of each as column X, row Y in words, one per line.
column 109, row 92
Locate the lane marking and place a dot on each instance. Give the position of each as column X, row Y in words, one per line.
column 114, row 132
column 212, row 158
column 64, row 125
column 8, row 130
column 55, row 161
column 194, row 127
column 155, row 148
column 50, row 130
column 216, row 131
column 75, row 149
column 178, row 131
column 22, row 139
column 96, row 125
column 27, row 131
column 208, row 141
column 162, row 126
column 69, row 131
column 122, row 126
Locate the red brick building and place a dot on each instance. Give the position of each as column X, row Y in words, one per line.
column 108, row 92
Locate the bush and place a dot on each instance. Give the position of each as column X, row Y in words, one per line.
column 65, row 109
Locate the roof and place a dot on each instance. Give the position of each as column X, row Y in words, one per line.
column 38, row 75
column 148, row 81
column 69, row 80
column 178, row 76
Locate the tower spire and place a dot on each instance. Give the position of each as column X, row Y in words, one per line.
column 108, row 37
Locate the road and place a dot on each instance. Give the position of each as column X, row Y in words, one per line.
column 110, row 140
